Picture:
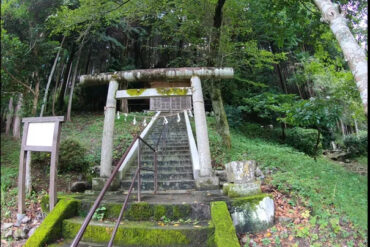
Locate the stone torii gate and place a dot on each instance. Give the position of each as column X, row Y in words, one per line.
column 194, row 74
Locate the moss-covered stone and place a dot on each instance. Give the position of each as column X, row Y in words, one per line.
column 140, row 234
column 159, row 211
column 181, row 211
column 225, row 234
column 252, row 200
column 139, row 211
column 51, row 228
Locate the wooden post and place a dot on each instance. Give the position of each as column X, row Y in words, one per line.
column 22, row 172
column 53, row 167
column 107, row 141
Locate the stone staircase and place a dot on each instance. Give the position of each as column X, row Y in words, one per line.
column 174, row 164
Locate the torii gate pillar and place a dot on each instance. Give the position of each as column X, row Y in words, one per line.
column 201, row 128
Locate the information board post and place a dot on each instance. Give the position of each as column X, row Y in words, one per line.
column 40, row 134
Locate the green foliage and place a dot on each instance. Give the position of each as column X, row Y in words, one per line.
column 72, row 156
column 51, row 227
column 234, row 116
column 303, row 140
column 99, row 213
column 269, row 105
column 356, row 145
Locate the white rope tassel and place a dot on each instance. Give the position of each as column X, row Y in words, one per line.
column 118, row 116
column 165, row 121
column 178, row 118
column 144, row 122
column 134, row 121
column 190, row 113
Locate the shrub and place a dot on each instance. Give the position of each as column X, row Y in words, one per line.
column 72, row 156
column 304, row 140
column 356, row 146
column 234, row 116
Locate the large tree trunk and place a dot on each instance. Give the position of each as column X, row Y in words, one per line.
column 9, row 116
column 220, row 115
column 217, row 104
column 17, row 118
column 353, row 53
column 49, row 79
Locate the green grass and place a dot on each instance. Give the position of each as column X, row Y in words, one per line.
column 362, row 160
column 322, row 184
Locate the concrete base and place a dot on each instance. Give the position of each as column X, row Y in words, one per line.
column 98, row 184
column 207, row 183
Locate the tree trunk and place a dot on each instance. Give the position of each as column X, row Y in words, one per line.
column 353, row 53
column 317, row 143
column 356, row 127
column 220, row 115
column 54, row 98
column 69, row 109
column 60, row 101
column 17, row 118
column 43, row 107
column 342, row 128
column 36, row 96
column 9, row 116
column 68, row 80
column 215, row 92
column 283, row 127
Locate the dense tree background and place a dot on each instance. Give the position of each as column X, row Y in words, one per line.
column 289, row 68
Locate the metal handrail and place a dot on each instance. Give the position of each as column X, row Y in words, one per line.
column 108, row 183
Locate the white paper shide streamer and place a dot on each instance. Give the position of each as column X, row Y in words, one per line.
column 190, row 113
column 125, row 114
column 165, row 121
column 134, row 121
column 144, row 122
column 118, row 116
column 178, row 118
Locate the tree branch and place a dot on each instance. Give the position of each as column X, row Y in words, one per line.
column 17, row 80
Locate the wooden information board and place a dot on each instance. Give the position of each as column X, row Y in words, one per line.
column 40, row 134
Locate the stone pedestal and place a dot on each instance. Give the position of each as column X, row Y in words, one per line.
column 238, row 190
column 207, row 183
column 239, row 172
column 98, row 184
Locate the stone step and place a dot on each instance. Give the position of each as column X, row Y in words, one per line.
column 163, row 175
column 172, row 169
column 162, row 184
column 165, row 163
column 143, row 233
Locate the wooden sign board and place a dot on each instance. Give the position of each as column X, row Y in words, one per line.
column 40, row 134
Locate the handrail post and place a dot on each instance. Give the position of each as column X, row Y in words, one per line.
column 155, row 173
column 138, row 166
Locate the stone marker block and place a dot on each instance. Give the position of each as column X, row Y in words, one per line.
column 253, row 216
column 239, row 172
column 238, row 190
column 207, row 183
column 98, row 184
